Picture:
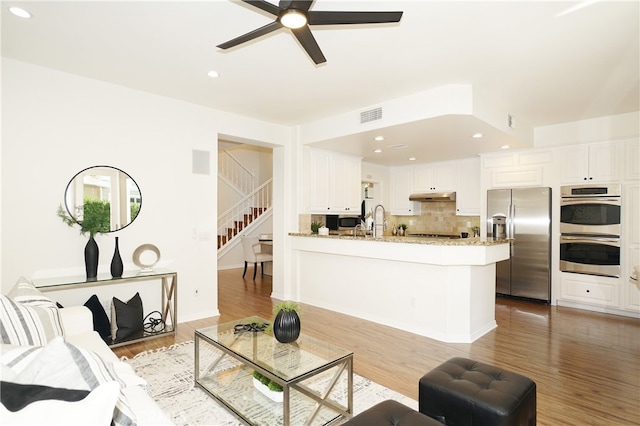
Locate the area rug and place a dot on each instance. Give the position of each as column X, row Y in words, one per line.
column 170, row 376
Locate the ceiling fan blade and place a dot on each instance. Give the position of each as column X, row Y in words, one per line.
column 264, row 5
column 296, row 4
column 304, row 36
column 337, row 17
column 251, row 35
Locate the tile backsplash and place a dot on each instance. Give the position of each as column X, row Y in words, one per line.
column 438, row 217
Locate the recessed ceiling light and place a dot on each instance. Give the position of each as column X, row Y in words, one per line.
column 378, row 138
column 505, row 147
column 20, row 12
column 213, row 74
column 412, row 158
column 477, row 135
column 378, row 151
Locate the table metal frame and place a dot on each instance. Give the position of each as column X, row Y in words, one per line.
column 321, row 398
column 169, row 289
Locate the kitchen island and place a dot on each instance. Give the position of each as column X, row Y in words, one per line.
column 439, row 288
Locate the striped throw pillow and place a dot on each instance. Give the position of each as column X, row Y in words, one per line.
column 27, row 317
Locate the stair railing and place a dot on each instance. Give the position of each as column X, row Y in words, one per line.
column 236, row 173
column 244, row 212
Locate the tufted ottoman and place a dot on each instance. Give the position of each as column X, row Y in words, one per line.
column 461, row 391
column 391, row 413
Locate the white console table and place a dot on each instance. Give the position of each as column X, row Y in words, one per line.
column 169, row 289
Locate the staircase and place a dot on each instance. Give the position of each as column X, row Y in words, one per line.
column 252, row 209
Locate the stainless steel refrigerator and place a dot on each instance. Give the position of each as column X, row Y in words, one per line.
column 524, row 215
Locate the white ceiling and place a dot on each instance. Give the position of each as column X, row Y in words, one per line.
column 544, row 68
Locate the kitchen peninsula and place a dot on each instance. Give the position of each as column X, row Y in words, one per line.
column 439, row 288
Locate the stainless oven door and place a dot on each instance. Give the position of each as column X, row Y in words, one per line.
column 590, row 255
column 595, row 216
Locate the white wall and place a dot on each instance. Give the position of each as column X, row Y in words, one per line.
column 55, row 124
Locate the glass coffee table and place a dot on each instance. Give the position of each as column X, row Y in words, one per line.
column 316, row 377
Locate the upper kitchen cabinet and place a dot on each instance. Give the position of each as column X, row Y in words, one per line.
column 335, row 183
column 468, row 188
column 591, row 163
column 437, row 177
column 402, row 182
column 632, row 157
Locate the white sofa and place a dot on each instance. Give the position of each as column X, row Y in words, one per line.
column 77, row 323
column 77, row 330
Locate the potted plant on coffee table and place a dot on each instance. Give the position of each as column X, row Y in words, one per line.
column 267, row 387
column 286, row 325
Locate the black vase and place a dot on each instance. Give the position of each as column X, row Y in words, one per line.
column 116, row 262
column 286, row 326
column 91, row 253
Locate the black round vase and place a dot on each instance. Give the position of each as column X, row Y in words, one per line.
column 116, row 262
column 91, row 253
column 286, row 326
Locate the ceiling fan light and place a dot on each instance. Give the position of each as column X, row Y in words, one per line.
column 293, row 19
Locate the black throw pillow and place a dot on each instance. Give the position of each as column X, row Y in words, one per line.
column 100, row 318
column 126, row 319
column 16, row 396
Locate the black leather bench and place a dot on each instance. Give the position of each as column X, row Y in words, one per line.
column 461, row 391
column 391, row 413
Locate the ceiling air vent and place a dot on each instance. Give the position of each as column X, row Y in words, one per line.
column 371, row 115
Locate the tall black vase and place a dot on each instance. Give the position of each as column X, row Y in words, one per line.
column 116, row 262
column 286, row 326
column 91, row 253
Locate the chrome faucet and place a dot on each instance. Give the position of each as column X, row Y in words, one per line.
column 355, row 229
column 379, row 221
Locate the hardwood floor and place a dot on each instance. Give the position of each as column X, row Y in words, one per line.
column 586, row 365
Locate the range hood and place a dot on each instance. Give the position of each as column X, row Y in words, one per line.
column 433, row 196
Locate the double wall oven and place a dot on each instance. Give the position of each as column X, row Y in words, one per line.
column 590, row 229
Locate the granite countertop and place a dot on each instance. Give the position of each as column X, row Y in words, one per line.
column 478, row 241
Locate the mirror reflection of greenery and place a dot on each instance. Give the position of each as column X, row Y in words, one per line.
column 96, row 216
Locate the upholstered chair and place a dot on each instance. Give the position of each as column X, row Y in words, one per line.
column 252, row 254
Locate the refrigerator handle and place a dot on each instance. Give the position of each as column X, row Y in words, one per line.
column 512, row 219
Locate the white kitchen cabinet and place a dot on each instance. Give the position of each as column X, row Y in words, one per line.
column 344, row 178
column 631, row 282
column 632, row 158
column 591, row 163
column 468, row 188
column 590, row 290
column 335, row 183
column 319, row 184
column 631, row 240
column 402, row 180
column 631, row 214
column 440, row 177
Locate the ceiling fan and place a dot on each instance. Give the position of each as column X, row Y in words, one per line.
column 295, row 15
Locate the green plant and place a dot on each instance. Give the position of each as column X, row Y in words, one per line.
column 135, row 209
column 315, row 226
column 96, row 217
column 403, row 226
column 267, row 382
column 287, row 306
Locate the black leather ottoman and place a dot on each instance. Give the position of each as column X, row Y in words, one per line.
column 391, row 413
column 465, row 392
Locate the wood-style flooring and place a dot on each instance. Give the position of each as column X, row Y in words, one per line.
column 586, row 365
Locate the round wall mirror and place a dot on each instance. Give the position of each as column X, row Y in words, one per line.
column 103, row 198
